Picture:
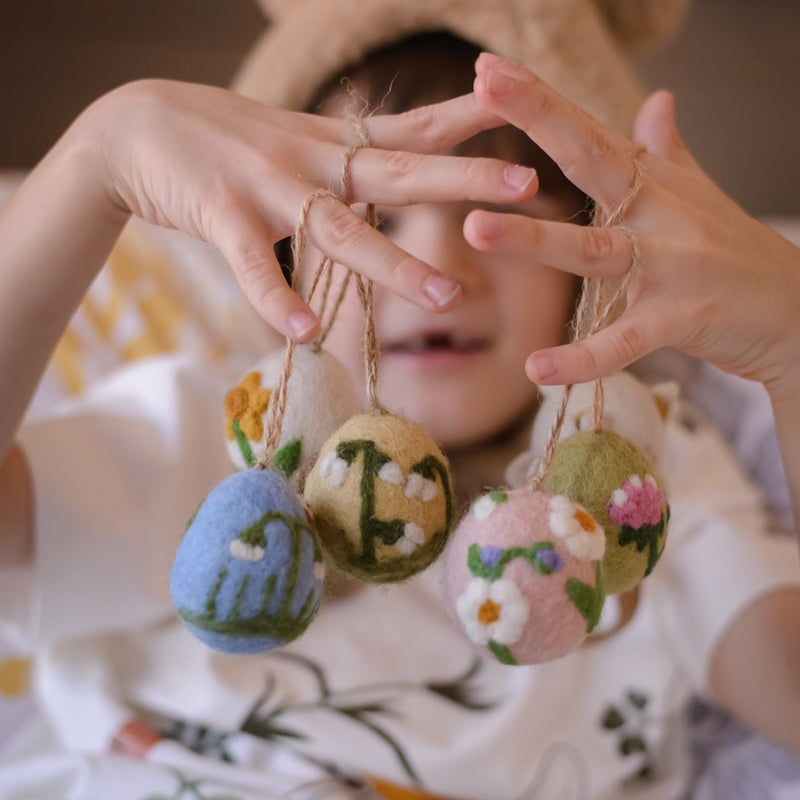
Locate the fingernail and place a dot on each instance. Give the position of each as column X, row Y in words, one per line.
column 498, row 83
column 302, row 323
column 544, row 366
column 440, row 289
column 518, row 177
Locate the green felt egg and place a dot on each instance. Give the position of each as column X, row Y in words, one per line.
column 614, row 481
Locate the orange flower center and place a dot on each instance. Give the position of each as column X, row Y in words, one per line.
column 586, row 521
column 489, row 612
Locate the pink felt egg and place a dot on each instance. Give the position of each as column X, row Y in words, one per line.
column 522, row 575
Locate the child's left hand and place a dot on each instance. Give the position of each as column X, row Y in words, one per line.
column 712, row 281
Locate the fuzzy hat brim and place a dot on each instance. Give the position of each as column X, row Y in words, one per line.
column 566, row 42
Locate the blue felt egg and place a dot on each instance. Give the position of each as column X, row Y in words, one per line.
column 248, row 573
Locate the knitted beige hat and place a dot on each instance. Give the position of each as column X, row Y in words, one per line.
column 577, row 46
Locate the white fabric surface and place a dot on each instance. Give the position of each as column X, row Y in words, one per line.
column 118, row 472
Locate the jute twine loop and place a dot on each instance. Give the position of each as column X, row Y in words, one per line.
column 593, row 311
column 277, row 407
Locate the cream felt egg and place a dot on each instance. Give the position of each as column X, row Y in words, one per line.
column 614, row 481
column 320, row 397
column 522, row 575
column 634, row 410
column 381, row 497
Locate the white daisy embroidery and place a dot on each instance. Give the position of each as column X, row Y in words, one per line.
column 483, row 507
column 493, row 611
column 577, row 528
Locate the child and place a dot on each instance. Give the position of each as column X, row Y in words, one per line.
column 382, row 690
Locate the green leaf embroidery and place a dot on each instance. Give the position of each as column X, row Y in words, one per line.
column 499, row 495
column 287, row 459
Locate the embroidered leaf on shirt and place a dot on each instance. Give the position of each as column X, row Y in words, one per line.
column 612, row 719
column 632, row 744
column 637, row 698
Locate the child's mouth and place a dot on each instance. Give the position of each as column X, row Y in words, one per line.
column 437, row 346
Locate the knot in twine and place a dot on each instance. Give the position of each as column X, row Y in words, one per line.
column 592, row 315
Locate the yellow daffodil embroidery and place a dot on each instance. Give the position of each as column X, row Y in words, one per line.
column 244, row 405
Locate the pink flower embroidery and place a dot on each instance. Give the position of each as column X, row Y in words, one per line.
column 636, row 503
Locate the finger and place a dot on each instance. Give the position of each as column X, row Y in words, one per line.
column 591, row 156
column 241, row 237
column 401, row 177
column 342, row 235
column 580, row 249
column 433, row 128
column 655, row 128
column 610, row 350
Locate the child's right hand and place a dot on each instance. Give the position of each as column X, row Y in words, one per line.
column 235, row 173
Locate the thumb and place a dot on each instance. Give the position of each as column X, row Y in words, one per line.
column 655, row 128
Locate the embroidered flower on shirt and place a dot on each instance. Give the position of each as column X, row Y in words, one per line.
column 244, row 405
column 577, row 528
column 493, row 611
column 636, row 503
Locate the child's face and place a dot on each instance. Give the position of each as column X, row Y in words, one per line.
column 460, row 374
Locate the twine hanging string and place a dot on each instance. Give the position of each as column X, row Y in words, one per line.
column 593, row 312
column 277, row 407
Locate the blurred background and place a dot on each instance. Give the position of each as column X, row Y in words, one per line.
column 735, row 69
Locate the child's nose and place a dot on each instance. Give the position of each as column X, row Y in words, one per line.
column 439, row 240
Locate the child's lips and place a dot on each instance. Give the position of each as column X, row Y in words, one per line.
column 439, row 348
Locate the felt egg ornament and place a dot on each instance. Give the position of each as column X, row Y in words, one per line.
column 381, row 498
column 248, row 574
column 614, row 481
column 522, row 575
column 320, row 397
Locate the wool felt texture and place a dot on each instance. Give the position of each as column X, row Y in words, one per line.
column 637, row 412
column 522, row 575
column 320, row 397
column 613, row 480
column 381, row 497
column 577, row 46
column 248, row 573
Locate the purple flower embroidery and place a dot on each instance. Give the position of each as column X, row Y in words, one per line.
column 551, row 559
column 636, row 503
column 490, row 555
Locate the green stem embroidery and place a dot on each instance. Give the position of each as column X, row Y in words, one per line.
column 492, row 573
column 244, row 444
